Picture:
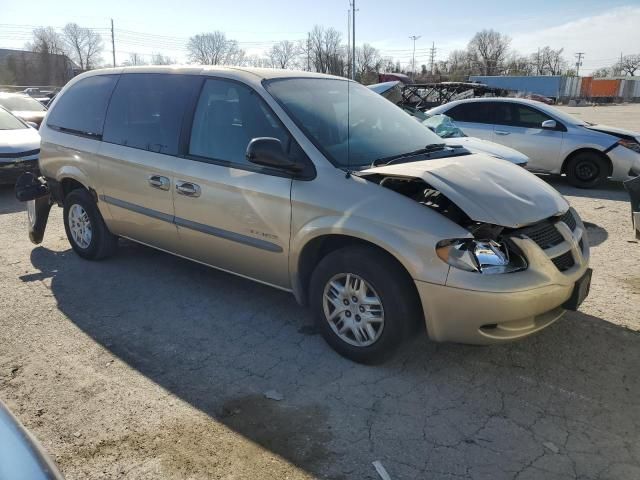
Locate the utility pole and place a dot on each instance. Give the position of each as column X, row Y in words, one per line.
column 579, row 56
column 309, row 52
column 353, row 39
column 413, row 58
column 349, row 43
column 113, row 45
column 432, row 55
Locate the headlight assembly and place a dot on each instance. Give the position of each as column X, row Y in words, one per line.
column 630, row 144
column 486, row 256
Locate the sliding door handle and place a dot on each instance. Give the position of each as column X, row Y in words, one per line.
column 159, row 182
column 501, row 132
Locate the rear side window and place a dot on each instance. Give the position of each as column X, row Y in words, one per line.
column 475, row 112
column 146, row 111
column 81, row 109
column 227, row 117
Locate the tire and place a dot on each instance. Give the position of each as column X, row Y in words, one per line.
column 37, row 216
column 386, row 280
column 80, row 209
column 587, row 170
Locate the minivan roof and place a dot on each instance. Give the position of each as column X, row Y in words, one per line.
column 261, row 73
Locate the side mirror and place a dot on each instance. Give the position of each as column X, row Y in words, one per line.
column 549, row 124
column 268, row 152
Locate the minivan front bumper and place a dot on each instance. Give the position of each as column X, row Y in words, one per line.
column 483, row 309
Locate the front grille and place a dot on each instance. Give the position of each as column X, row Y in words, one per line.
column 545, row 233
column 569, row 219
column 564, row 261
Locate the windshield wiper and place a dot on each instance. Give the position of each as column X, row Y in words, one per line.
column 433, row 147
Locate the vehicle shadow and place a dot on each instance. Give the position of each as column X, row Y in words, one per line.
column 8, row 201
column 597, row 234
column 567, row 396
column 610, row 190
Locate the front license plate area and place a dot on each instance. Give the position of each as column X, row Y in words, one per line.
column 580, row 291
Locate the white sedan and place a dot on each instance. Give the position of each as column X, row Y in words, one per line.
column 554, row 141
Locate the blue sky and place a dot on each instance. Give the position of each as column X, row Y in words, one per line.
column 601, row 29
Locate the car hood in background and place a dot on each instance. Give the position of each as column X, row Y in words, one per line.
column 477, row 145
column 486, row 189
column 29, row 116
column 616, row 132
column 18, row 141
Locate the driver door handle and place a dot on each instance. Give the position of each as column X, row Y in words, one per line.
column 159, row 182
column 188, row 189
column 501, row 132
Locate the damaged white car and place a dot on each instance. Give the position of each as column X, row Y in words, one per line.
column 315, row 185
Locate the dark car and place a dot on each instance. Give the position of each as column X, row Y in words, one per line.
column 24, row 107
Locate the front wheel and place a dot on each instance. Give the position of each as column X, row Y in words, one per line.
column 87, row 233
column 587, row 170
column 364, row 303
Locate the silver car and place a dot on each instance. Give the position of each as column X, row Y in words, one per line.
column 19, row 148
column 315, row 185
column 554, row 141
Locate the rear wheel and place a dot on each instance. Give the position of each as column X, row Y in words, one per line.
column 587, row 170
column 364, row 303
column 87, row 233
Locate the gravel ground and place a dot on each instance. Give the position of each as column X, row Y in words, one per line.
column 147, row 366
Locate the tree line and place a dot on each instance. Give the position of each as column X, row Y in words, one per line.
column 323, row 50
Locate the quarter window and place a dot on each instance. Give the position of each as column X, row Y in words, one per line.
column 228, row 115
column 81, row 109
column 146, row 111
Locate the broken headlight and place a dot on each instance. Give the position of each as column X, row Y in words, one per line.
column 482, row 256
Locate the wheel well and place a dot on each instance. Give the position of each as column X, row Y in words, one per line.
column 319, row 247
column 587, row 150
column 69, row 184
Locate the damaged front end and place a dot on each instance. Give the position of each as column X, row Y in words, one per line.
column 491, row 250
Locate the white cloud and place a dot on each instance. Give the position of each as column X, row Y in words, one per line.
column 601, row 37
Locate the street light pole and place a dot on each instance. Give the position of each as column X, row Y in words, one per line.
column 413, row 61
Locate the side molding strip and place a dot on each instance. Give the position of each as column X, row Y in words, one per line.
column 198, row 227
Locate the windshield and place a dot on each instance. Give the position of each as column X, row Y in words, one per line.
column 21, row 103
column 9, row 122
column 377, row 127
column 443, row 126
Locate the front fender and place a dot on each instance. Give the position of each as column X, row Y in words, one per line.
column 414, row 250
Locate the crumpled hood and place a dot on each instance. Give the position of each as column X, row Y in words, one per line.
column 616, row 132
column 486, row 189
column 477, row 145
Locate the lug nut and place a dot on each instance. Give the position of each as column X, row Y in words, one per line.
column 357, row 318
column 345, row 301
column 361, row 309
column 354, row 299
column 347, row 314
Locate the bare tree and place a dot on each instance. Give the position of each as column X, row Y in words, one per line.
column 50, row 65
column 601, row 72
column 629, row 64
column 488, row 49
column 84, row 45
column 368, row 61
column 326, row 51
column 550, row 61
column 516, row 64
column 258, row 61
column 159, row 59
column 284, row 54
column 214, row 49
column 135, row 59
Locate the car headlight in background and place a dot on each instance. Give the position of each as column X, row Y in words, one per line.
column 630, row 144
column 486, row 256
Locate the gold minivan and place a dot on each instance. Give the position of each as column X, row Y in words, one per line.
column 315, row 185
